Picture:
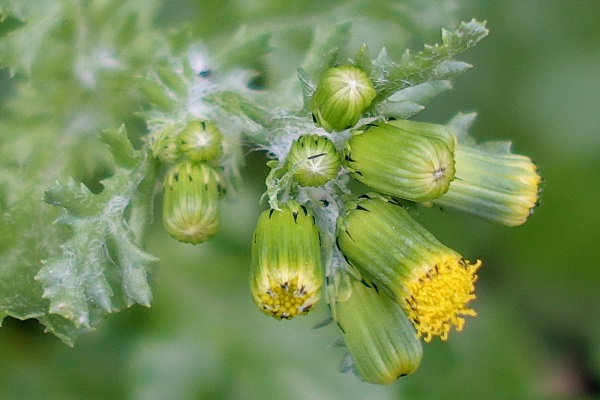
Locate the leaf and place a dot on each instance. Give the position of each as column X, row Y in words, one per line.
column 409, row 101
column 460, row 125
column 422, row 93
column 244, row 50
column 73, row 83
column 433, row 63
column 101, row 268
column 397, row 109
column 322, row 53
column 19, row 48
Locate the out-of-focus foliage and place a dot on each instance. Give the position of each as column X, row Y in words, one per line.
column 535, row 82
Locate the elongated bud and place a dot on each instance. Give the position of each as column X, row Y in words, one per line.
column 201, row 141
column 287, row 272
column 498, row 187
column 430, row 281
column 342, row 95
column 191, row 202
column 314, row 160
column 381, row 340
column 408, row 164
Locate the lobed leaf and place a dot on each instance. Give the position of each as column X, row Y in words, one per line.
column 101, row 268
column 433, row 63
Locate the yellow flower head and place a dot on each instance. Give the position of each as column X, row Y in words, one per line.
column 430, row 281
column 287, row 273
column 437, row 297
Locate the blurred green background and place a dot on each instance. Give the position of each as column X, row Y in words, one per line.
column 535, row 81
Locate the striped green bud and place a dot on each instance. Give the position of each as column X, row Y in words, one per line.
column 287, row 272
column 411, row 164
column 498, row 187
column 379, row 336
column 191, row 202
column 314, row 160
column 430, row 281
column 342, row 96
column 201, row 141
column 164, row 145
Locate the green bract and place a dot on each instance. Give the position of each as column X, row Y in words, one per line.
column 413, row 163
column 191, row 202
column 342, row 95
column 287, row 272
column 314, row 160
column 380, row 338
column 200, row 141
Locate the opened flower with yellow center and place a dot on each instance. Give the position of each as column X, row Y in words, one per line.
column 430, row 281
column 287, row 272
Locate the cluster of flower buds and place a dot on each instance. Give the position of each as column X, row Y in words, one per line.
column 192, row 185
column 399, row 284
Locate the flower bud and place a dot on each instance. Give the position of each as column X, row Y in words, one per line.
column 164, row 145
column 342, row 95
column 430, row 281
column 287, row 272
column 201, row 141
column 498, row 187
column 381, row 340
column 191, row 202
column 314, row 160
column 401, row 163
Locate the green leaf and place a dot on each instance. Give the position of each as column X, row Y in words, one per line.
column 433, row 63
column 120, row 146
column 322, row 53
column 460, row 125
column 409, row 101
column 19, row 48
column 101, row 268
column 243, row 50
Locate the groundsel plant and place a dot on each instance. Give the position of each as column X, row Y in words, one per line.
column 388, row 283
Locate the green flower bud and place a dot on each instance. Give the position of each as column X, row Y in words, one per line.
column 498, row 187
column 342, row 95
column 287, row 272
column 314, row 160
column 381, row 340
column 201, row 141
column 191, row 202
column 430, row 281
column 165, row 146
column 399, row 162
